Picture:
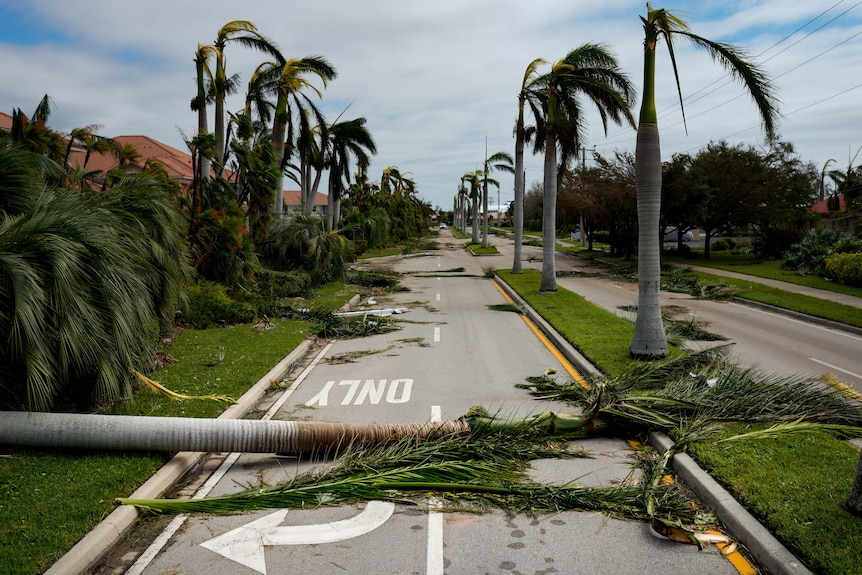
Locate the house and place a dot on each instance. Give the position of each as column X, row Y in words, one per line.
column 293, row 203
column 177, row 163
column 837, row 219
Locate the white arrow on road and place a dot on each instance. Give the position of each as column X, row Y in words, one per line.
column 245, row 544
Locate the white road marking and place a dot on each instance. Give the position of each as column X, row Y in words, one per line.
column 438, row 297
column 434, row 556
column 245, row 545
column 436, row 334
column 836, row 368
column 164, row 537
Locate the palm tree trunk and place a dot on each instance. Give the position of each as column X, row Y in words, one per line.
column 518, row 208
column 173, row 434
column 485, row 208
column 549, row 207
column 649, row 338
column 475, row 238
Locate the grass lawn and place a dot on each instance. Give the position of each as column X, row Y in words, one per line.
column 480, row 251
column 49, row 500
column 380, row 253
column 770, row 269
column 795, row 485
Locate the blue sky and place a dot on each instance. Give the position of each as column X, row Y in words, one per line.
column 434, row 80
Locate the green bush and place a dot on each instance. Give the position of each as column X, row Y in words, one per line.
column 809, row 255
column 277, row 284
column 722, row 245
column 845, row 268
column 209, row 304
column 371, row 279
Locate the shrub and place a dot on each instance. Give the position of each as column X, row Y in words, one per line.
column 722, row 245
column 281, row 284
column 809, row 255
column 209, row 303
column 845, row 268
column 372, row 279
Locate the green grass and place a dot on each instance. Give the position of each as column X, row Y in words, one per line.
column 601, row 337
column 380, row 253
column 770, row 269
column 49, row 500
column 816, row 307
column 796, row 486
column 248, row 353
column 480, row 251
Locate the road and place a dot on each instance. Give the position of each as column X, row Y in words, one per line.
column 451, row 353
column 766, row 340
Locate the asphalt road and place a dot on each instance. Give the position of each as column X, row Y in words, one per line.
column 451, row 353
column 765, row 340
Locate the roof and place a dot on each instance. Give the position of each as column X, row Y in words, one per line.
column 822, row 207
column 291, row 198
column 5, row 122
column 178, row 164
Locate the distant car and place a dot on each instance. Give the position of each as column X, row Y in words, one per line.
column 576, row 236
column 672, row 235
column 442, row 226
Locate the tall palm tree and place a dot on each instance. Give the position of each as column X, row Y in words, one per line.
column 526, row 95
column 474, row 179
column 289, row 81
column 649, row 339
column 246, row 34
column 204, row 54
column 345, row 141
column 593, row 71
column 499, row 162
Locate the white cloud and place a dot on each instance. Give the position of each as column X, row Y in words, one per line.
column 434, row 79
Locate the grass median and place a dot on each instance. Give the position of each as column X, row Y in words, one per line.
column 795, row 485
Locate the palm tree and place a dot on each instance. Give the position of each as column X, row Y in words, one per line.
column 244, row 33
column 289, row 83
column 649, row 339
column 345, row 141
column 526, row 95
column 501, row 162
column 474, row 179
column 203, row 75
column 592, row 70
column 84, row 279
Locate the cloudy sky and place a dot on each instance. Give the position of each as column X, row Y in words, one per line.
column 435, row 80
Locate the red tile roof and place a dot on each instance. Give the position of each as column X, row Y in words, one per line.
column 5, row 122
column 177, row 163
column 291, row 198
column 822, row 207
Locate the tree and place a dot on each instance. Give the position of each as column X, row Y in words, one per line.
column 473, row 178
column 527, row 95
column 244, row 33
column 86, row 278
column 593, row 71
column 288, row 81
column 500, row 162
column 649, row 340
column 345, row 141
column 203, row 77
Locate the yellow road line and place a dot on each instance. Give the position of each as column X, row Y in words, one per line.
column 563, row 361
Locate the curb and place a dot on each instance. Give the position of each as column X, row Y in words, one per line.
column 102, row 538
column 768, row 551
column 744, row 527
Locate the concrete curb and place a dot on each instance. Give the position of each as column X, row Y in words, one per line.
column 102, row 538
column 741, row 524
column 745, row 528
